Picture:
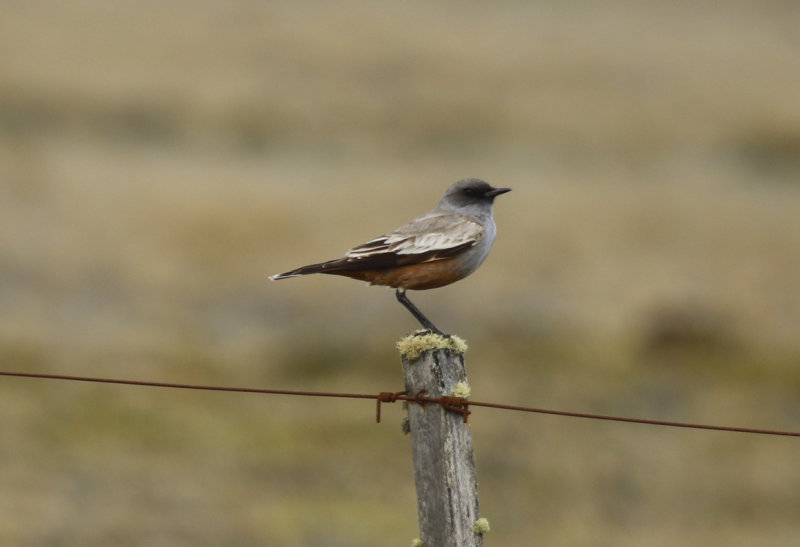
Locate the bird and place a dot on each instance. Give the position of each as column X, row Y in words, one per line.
column 435, row 249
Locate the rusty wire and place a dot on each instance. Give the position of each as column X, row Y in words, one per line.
column 457, row 405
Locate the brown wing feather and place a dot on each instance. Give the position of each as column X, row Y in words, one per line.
column 431, row 237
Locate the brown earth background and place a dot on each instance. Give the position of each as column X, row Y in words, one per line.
column 159, row 159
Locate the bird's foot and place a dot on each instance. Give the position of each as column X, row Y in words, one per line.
column 427, row 331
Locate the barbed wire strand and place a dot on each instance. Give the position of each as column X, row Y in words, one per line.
column 454, row 404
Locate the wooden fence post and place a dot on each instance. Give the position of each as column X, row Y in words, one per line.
column 444, row 464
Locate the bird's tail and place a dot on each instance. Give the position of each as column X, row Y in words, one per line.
column 305, row 270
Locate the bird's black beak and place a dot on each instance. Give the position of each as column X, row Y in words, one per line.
column 494, row 192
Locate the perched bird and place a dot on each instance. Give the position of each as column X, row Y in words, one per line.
column 433, row 250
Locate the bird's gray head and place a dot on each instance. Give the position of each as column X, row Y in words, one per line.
column 471, row 197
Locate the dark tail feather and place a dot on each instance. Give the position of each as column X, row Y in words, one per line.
column 305, row 270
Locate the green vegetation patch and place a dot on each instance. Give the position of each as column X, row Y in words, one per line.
column 414, row 345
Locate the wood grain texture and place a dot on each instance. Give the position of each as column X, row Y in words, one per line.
column 444, row 464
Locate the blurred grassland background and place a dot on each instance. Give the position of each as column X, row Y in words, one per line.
column 159, row 159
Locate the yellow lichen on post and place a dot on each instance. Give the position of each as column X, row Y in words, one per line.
column 417, row 543
column 482, row 526
column 414, row 345
column 462, row 390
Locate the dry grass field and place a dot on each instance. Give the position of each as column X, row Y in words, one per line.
column 159, row 159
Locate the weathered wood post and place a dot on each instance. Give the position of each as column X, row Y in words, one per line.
column 444, row 464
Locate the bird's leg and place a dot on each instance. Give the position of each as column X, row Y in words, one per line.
column 424, row 321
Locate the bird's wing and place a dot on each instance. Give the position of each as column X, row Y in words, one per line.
column 434, row 236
